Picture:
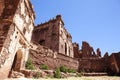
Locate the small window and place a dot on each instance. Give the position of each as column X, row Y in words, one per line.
column 24, row 30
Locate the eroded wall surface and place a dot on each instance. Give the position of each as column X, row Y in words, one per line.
column 42, row 55
column 16, row 27
column 53, row 35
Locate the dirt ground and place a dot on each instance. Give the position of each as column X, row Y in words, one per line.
column 74, row 78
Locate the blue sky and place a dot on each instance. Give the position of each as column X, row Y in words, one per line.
column 94, row 21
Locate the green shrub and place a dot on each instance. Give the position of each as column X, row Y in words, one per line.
column 43, row 66
column 71, row 70
column 57, row 73
column 79, row 74
column 37, row 75
column 63, row 69
column 49, row 76
column 29, row 64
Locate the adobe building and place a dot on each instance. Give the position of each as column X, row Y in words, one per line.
column 48, row 43
column 91, row 61
column 53, row 35
column 16, row 25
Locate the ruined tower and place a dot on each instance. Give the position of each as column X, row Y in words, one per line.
column 16, row 25
column 53, row 35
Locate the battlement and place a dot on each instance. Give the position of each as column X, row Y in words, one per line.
column 53, row 20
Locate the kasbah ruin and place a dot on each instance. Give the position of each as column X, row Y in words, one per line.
column 47, row 43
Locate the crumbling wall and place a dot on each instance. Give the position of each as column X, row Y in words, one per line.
column 16, row 25
column 1, row 6
column 92, row 65
column 76, row 50
column 8, row 9
column 114, row 64
column 4, row 28
column 53, row 35
column 7, row 54
column 65, row 39
column 87, row 50
column 67, row 61
column 117, row 56
column 47, row 35
column 43, row 55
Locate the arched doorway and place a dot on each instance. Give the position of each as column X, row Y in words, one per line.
column 17, row 61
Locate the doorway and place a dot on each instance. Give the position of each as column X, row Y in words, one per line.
column 17, row 61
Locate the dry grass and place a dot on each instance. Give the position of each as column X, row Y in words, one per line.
column 75, row 78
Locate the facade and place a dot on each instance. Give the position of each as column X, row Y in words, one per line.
column 53, row 35
column 86, row 51
column 16, row 25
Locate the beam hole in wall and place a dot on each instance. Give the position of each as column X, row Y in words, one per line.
column 65, row 49
column 24, row 30
column 42, row 42
column 17, row 32
column 15, row 36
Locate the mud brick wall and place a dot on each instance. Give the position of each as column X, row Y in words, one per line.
column 53, row 35
column 43, row 55
column 92, row 65
column 5, row 63
column 16, row 25
column 114, row 64
column 67, row 61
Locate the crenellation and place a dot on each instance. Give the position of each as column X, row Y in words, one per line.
column 106, row 55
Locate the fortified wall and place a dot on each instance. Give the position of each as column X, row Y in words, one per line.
column 85, row 59
column 43, row 55
column 91, row 61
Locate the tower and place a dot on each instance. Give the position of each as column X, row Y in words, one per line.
column 53, row 35
column 16, row 25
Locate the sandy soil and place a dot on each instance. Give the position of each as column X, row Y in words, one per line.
column 74, row 78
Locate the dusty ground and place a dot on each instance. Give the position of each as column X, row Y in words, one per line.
column 74, row 78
